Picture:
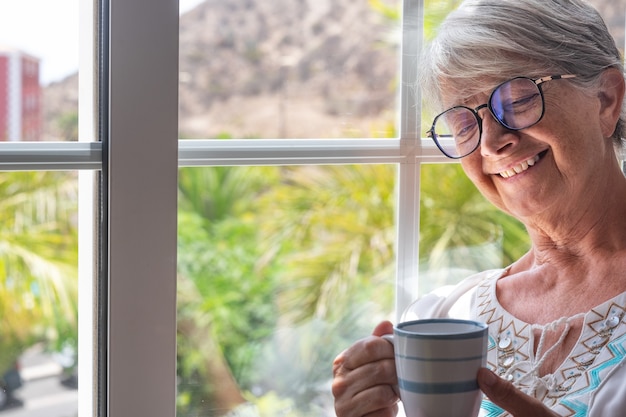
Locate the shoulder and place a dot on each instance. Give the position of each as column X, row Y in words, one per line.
column 451, row 300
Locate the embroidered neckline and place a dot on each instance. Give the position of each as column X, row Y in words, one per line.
column 535, row 362
column 511, row 343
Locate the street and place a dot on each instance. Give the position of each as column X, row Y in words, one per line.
column 42, row 394
column 44, row 397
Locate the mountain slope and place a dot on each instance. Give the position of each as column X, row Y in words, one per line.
column 290, row 68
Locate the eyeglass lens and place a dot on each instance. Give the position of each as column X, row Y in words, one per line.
column 516, row 104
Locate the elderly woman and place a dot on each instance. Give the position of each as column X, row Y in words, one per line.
column 531, row 96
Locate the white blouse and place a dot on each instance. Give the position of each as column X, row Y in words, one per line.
column 590, row 382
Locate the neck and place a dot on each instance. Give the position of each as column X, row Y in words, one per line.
column 582, row 233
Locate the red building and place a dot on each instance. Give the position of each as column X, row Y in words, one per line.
column 20, row 96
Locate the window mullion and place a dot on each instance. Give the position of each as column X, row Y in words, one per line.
column 91, row 157
column 237, row 152
column 407, row 223
column 142, row 203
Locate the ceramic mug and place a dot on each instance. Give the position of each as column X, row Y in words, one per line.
column 437, row 361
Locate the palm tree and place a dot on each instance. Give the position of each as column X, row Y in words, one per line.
column 334, row 227
column 460, row 231
column 38, row 260
column 223, row 309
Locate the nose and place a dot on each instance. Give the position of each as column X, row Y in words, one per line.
column 496, row 139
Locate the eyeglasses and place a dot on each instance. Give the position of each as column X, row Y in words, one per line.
column 515, row 104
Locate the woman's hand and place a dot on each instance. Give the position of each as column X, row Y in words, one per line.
column 365, row 382
column 505, row 395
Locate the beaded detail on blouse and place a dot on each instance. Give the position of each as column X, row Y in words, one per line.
column 600, row 348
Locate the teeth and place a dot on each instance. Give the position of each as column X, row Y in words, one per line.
column 519, row 168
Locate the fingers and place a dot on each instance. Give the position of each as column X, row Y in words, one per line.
column 367, row 350
column 505, row 395
column 385, row 412
column 364, row 376
column 384, row 327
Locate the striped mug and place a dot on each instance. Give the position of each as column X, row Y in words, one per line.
column 437, row 361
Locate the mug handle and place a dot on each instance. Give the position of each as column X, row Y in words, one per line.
column 390, row 339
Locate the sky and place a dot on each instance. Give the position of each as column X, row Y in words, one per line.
column 48, row 29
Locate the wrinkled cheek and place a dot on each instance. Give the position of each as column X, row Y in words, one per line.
column 487, row 187
column 473, row 169
column 472, row 166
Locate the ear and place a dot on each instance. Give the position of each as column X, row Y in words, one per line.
column 611, row 95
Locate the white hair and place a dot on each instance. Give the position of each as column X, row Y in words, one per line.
column 485, row 42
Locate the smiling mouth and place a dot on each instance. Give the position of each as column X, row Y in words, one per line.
column 518, row 169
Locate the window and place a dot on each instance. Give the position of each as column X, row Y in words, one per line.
column 312, row 224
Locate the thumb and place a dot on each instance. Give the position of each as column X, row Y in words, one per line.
column 384, row 327
column 505, row 395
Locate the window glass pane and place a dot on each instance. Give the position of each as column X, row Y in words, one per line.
column 289, row 69
column 38, row 294
column 460, row 231
column 279, row 269
column 38, row 70
column 38, row 232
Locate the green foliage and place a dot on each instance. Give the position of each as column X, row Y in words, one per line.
column 38, row 261
column 230, row 295
column 225, row 284
column 257, row 244
column 334, row 225
column 332, row 230
column 434, row 13
column 294, row 364
column 460, row 229
column 390, row 12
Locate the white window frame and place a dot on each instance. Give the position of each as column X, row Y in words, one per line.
column 128, row 356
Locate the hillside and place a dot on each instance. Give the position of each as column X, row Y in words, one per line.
column 297, row 68
column 302, row 68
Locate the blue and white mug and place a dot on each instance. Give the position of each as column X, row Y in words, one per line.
column 437, row 361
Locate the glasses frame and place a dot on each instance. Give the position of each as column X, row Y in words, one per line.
column 538, row 81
